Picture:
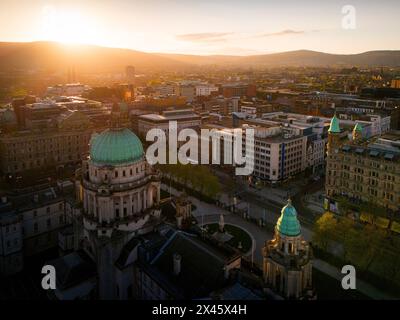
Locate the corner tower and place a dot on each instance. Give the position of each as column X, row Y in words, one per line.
column 287, row 267
column 357, row 133
column 333, row 136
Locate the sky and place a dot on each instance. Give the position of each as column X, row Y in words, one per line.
column 234, row 27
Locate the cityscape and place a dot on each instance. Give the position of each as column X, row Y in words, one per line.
column 181, row 155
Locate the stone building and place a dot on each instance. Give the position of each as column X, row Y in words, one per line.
column 120, row 193
column 362, row 173
column 39, row 149
column 287, row 267
column 29, row 224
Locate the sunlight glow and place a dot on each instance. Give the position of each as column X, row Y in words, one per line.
column 64, row 26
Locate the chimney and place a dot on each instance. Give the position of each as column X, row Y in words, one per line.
column 226, row 272
column 177, row 263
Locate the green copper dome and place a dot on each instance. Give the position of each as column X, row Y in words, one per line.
column 116, row 147
column 288, row 224
column 334, row 127
column 358, row 127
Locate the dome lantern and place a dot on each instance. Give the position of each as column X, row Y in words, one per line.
column 288, row 224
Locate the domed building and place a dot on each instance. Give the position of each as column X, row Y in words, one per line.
column 120, row 194
column 287, row 267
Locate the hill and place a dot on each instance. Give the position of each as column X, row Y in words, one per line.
column 89, row 58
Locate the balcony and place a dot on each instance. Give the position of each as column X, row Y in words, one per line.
column 122, row 186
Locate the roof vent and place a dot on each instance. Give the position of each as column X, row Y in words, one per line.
column 177, row 263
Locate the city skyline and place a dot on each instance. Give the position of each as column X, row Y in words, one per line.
column 205, row 27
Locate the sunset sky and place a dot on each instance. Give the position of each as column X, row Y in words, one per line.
column 204, row 26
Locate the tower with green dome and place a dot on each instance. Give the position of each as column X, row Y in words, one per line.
column 120, row 196
column 357, row 132
column 287, row 266
column 288, row 224
column 333, row 136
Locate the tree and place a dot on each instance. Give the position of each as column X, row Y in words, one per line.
column 348, row 236
column 324, row 230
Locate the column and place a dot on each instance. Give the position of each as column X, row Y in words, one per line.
column 85, row 201
column 130, row 203
column 144, row 200
column 121, row 206
column 95, row 206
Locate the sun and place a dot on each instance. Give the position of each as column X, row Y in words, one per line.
column 69, row 27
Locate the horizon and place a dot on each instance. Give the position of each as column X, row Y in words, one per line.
column 71, row 45
column 204, row 27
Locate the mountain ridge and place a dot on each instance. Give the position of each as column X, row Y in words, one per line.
column 89, row 58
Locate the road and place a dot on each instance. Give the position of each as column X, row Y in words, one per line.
column 209, row 213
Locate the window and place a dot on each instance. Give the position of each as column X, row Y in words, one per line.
column 116, row 174
column 35, row 227
column 48, row 222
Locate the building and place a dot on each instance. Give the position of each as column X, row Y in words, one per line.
column 180, row 266
column 130, row 73
column 120, row 193
column 29, row 224
column 287, row 267
column 221, row 105
column 372, row 124
column 165, row 89
column 160, row 103
column 66, row 143
column 188, row 91
column 279, row 153
column 362, row 175
column 69, row 89
column 185, row 118
column 395, row 83
column 313, row 128
column 238, row 90
column 205, row 90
